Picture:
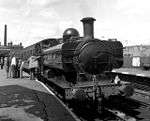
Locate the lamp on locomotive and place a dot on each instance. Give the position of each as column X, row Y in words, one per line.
column 70, row 33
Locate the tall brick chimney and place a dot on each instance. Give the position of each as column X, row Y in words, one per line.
column 5, row 35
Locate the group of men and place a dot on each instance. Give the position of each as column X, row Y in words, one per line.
column 14, row 66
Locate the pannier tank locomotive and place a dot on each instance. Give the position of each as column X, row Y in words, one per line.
column 73, row 66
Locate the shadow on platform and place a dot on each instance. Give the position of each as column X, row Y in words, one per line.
column 24, row 104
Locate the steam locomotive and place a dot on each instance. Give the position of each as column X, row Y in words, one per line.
column 78, row 55
column 73, row 64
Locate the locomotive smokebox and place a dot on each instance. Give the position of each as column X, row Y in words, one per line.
column 88, row 27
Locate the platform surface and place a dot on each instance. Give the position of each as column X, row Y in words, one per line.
column 29, row 100
column 133, row 71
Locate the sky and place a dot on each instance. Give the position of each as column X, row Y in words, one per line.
column 29, row 21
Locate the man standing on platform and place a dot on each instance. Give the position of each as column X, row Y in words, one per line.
column 21, row 69
column 7, row 66
column 2, row 62
column 33, row 66
column 13, row 67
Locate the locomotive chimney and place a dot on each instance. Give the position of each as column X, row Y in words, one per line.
column 88, row 27
column 5, row 35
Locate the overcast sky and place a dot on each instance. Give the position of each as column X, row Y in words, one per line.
column 29, row 21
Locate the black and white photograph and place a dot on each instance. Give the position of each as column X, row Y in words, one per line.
column 74, row 60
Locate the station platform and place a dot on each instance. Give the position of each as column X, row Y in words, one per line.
column 30, row 100
column 133, row 71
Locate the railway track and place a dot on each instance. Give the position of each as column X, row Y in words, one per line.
column 138, row 82
column 136, row 108
column 141, row 95
column 141, row 87
column 120, row 116
column 132, row 109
